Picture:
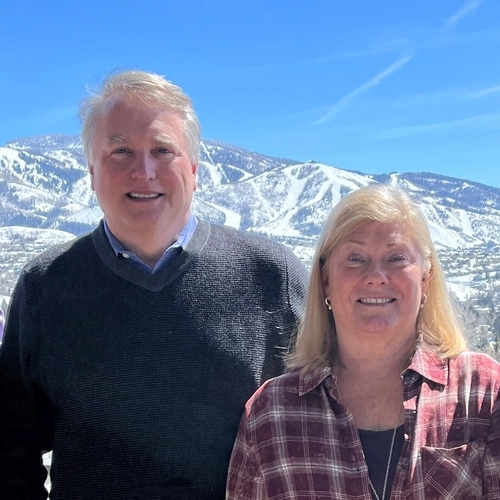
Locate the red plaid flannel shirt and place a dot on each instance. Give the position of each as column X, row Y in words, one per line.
column 297, row 441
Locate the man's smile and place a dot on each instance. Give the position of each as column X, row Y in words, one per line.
column 144, row 196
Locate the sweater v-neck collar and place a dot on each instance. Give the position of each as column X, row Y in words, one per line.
column 154, row 282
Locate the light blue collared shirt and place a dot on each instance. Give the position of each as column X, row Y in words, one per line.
column 168, row 255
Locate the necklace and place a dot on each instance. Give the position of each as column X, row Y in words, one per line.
column 384, row 490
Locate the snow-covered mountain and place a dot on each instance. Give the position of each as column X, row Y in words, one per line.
column 44, row 186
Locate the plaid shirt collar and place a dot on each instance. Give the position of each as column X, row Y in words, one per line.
column 426, row 363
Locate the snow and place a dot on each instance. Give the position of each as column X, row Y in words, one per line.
column 233, row 219
column 44, row 181
column 36, row 236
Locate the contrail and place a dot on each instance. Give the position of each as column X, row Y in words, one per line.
column 468, row 7
column 363, row 88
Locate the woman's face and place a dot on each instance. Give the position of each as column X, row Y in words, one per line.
column 375, row 283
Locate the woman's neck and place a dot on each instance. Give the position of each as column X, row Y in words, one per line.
column 369, row 382
column 374, row 358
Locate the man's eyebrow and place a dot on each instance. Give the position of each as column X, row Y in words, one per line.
column 159, row 139
column 166, row 140
column 117, row 138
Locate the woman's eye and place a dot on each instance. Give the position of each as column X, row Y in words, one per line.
column 355, row 259
column 397, row 258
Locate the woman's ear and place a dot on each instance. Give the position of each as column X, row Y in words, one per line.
column 426, row 278
column 324, row 277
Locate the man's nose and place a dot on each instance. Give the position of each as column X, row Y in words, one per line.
column 144, row 167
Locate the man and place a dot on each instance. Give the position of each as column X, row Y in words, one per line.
column 131, row 351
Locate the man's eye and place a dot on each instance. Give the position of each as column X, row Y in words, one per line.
column 164, row 151
column 120, row 151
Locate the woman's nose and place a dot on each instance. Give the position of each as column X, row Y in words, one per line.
column 377, row 274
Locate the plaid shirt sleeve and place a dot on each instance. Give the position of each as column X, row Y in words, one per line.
column 491, row 465
column 244, row 480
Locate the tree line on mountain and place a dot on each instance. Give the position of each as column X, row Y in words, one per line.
column 481, row 322
column 480, row 317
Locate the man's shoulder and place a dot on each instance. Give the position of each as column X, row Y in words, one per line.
column 237, row 238
column 251, row 254
column 57, row 255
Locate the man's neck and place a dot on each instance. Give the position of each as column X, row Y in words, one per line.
column 152, row 257
column 147, row 246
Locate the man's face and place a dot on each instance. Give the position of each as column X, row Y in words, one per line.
column 141, row 172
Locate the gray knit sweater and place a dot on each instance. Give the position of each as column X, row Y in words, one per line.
column 137, row 381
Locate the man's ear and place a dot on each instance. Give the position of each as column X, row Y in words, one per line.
column 194, row 170
column 91, row 172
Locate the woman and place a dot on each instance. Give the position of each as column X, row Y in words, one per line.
column 383, row 401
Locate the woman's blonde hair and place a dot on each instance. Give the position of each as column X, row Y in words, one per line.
column 316, row 342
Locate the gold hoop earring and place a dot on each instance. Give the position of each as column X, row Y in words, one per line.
column 328, row 303
column 423, row 301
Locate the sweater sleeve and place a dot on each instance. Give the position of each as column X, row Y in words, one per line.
column 25, row 429
column 297, row 280
column 287, row 278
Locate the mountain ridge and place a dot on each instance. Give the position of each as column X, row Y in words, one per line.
column 44, row 185
column 45, row 199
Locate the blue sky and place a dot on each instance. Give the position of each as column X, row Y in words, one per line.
column 377, row 87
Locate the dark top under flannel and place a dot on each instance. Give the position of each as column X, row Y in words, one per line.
column 297, row 441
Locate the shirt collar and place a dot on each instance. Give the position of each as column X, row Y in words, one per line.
column 426, row 362
column 309, row 381
column 185, row 235
column 429, row 364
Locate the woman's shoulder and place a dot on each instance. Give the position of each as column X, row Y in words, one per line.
column 478, row 359
column 479, row 365
column 288, row 382
column 275, row 401
column 272, row 392
column 284, row 395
